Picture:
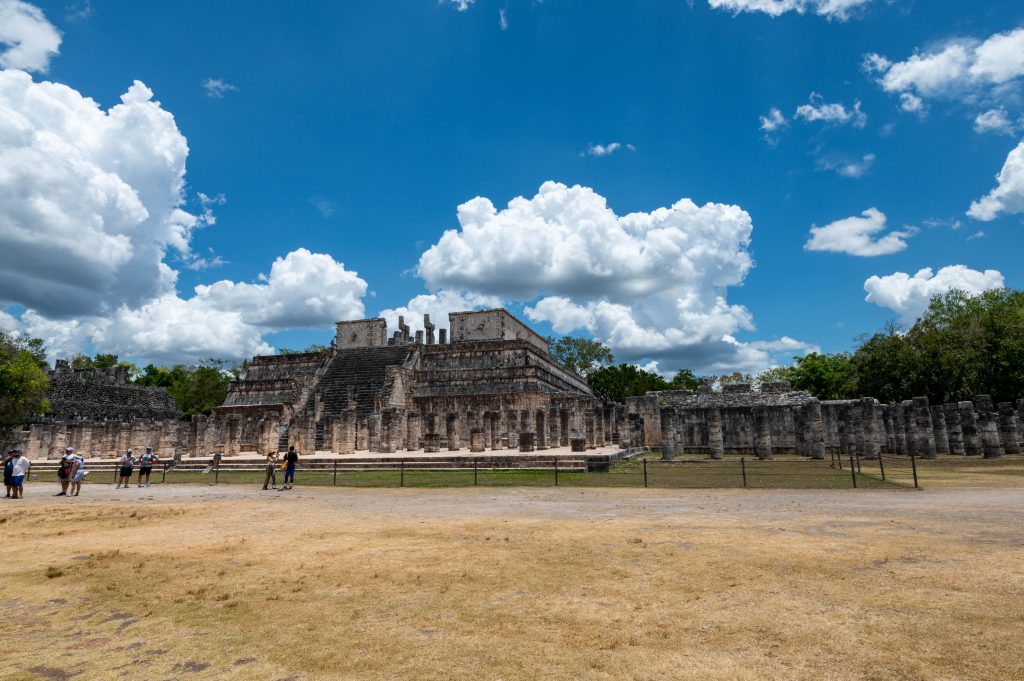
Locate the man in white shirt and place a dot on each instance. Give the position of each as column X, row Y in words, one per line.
column 21, row 466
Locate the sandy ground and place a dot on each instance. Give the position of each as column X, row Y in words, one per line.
column 196, row 581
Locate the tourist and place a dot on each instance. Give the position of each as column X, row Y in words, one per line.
column 127, row 462
column 146, row 462
column 271, row 471
column 290, row 459
column 62, row 471
column 76, row 475
column 8, row 471
column 18, row 473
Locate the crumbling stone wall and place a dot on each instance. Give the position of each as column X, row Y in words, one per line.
column 778, row 420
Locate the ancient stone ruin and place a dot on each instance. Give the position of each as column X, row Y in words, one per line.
column 779, row 420
column 491, row 385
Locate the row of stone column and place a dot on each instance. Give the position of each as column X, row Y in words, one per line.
column 95, row 439
column 523, row 429
column 971, row 428
column 807, row 422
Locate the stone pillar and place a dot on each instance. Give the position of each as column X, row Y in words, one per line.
column 452, row 431
column 413, row 430
column 541, row 429
column 954, row 432
column 362, row 435
column 476, row 440
column 870, row 445
column 842, row 413
column 668, row 433
column 555, row 427
column 988, row 427
column 939, row 427
column 925, row 429
column 899, row 429
column 762, row 433
column 608, row 425
column 716, row 441
column 890, row 433
column 590, row 427
column 432, row 442
column 969, row 427
column 1020, row 422
column 1008, row 428
column 815, row 430
column 910, row 425
column 389, row 432
column 563, row 425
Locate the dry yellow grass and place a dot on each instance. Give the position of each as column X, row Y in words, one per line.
column 514, row 584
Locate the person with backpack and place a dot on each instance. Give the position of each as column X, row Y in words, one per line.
column 8, row 471
column 18, row 473
column 62, row 471
column 290, row 459
column 76, row 475
column 127, row 462
column 146, row 462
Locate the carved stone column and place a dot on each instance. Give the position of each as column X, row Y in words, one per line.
column 1008, row 428
column 762, row 433
column 954, row 431
column 988, row 427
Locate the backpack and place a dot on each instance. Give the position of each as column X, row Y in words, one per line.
column 65, row 466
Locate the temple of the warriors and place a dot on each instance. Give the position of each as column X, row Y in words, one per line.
column 489, row 383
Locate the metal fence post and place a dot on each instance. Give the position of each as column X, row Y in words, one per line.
column 556, row 471
column 857, row 458
column 645, row 472
column 913, row 467
column 401, row 473
column 743, row 470
column 853, row 473
column 163, row 476
column 335, row 484
column 216, row 473
column 881, row 465
column 474, row 472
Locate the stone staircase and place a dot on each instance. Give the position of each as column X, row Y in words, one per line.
column 361, row 371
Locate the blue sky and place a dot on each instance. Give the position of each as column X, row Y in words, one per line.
column 355, row 130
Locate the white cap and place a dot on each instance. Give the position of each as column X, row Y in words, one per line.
column 129, row 450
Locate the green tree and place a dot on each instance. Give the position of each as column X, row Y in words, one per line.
column 581, row 355
column 826, row 376
column 195, row 389
column 23, row 381
column 684, row 380
column 617, row 382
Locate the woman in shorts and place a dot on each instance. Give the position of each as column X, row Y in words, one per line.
column 127, row 462
column 146, row 462
column 76, row 475
column 9, row 472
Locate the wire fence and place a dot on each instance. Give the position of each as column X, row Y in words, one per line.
column 645, row 471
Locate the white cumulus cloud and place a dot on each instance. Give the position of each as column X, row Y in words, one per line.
column 92, row 198
column 1008, row 195
column 817, row 110
column 909, row 295
column 994, row 120
column 92, row 227
column 832, row 9
column 962, row 68
column 27, row 39
column 652, row 285
column 858, row 235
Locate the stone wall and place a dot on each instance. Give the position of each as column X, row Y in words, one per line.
column 778, row 420
column 492, row 325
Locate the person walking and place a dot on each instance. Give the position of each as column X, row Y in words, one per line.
column 271, row 478
column 127, row 462
column 18, row 473
column 8, row 472
column 290, row 459
column 146, row 462
column 62, row 471
column 76, row 475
